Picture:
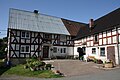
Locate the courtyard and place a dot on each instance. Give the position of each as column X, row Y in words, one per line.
column 73, row 69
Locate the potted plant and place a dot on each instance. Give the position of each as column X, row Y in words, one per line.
column 48, row 66
column 108, row 64
column 32, row 67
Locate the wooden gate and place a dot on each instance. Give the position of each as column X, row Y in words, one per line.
column 111, row 53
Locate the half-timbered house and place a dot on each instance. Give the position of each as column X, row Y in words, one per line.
column 32, row 34
column 101, row 38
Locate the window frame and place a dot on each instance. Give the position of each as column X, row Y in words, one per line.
column 94, row 51
column 96, row 37
column 54, row 49
column 26, row 34
column 63, row 50
column 101, row 52
column 24, row 48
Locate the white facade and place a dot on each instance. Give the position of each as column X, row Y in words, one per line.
column 107, row 40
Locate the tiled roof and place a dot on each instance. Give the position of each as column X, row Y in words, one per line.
column 25, row 20
column 106, row 22
column 72, row 26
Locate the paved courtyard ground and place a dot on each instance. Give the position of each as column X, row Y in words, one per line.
column 76, row 70
column 76, row 67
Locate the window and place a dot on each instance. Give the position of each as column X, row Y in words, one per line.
column 62, row 38
column 25, row 49
column 47, row 36
column 84, row 49
column 93, row 50
column 25, row 35
column 63, row 50
column 96, row 38
column 54, row 49
column 102, row 51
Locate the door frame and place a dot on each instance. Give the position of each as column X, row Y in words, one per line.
column 49, row 45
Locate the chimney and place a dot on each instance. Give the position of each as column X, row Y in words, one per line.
column 36, row 11
column 91, row 23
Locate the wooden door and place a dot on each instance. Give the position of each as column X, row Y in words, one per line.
column 46, row 52
column 111, row 53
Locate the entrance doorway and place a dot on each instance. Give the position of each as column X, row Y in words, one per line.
column 45, row 51
column 111, row 53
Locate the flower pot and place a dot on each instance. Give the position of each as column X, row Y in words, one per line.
column 108, row 65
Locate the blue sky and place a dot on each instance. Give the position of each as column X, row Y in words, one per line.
column 77, row 10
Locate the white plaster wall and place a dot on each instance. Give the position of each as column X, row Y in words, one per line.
column 119, row 31
column 89, row 52
column 18, row 38
column 104, row 34
column 104, row 41
column 70, row 51
column 18, row 33
column 32, row 47
column 100, row 35
column 91, row 43
column 116, row 54
column 59, row 51
column 13, row 46
column 97, row 55
column 114, row 39
column 76, row 54
column 109, row 40
column 109, row 33
column 113, row 32
column 100, row 41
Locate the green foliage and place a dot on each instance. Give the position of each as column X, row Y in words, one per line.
column 37, row 65
column 20, row 71
column 2, row 63
column 2, row 48
column 48, row 66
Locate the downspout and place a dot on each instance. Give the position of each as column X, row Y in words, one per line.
column 118, row 45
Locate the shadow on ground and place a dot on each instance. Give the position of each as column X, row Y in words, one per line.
column 3, row 69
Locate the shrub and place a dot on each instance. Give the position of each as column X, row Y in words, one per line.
column 99, row 61
column 2, row 63
column 48, row 66
column 34, row 64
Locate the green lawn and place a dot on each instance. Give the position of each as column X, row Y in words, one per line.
column 19, row 70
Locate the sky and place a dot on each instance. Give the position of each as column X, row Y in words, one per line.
column 76, row 10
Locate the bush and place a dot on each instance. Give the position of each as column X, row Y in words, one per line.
column 2, row 63
column 34, row 64
column 99, row 61
column 48, row 66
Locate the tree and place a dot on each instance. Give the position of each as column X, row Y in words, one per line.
column 3, row 45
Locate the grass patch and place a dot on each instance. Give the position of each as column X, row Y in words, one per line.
column 19, row 70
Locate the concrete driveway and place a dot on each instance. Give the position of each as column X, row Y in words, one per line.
column 76, row 67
